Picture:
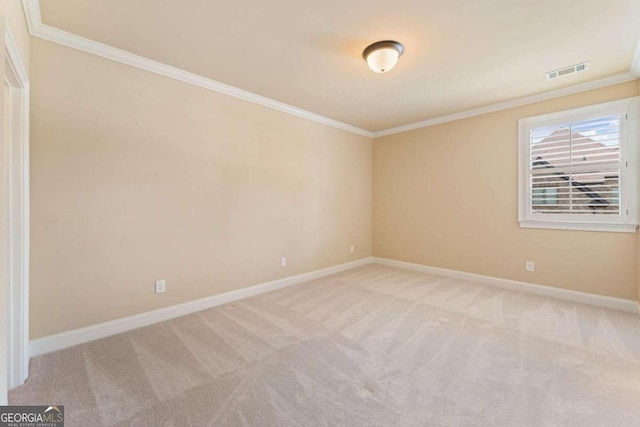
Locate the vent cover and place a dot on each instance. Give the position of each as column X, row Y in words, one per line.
column 566, row 71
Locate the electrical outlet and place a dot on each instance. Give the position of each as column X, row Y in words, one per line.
column 161, row 286
column 283, row 262
column 529, row 266
column 352, row 249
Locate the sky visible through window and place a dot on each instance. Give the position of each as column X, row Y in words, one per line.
column 605, row 130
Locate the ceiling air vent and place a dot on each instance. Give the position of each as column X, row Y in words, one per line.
column 566, row 71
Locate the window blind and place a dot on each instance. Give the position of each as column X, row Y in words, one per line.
column 575, row 167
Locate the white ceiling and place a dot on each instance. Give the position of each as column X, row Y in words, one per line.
column 459, row 54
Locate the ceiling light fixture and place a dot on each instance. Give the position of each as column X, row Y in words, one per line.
column 383, row 56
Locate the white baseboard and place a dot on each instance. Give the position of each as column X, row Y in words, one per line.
column 513, row 285
column 90, row 333
column 78, row 336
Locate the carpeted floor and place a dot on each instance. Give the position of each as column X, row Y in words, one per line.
column 373, row 346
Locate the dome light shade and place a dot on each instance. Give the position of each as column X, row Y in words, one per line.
column 383, row 56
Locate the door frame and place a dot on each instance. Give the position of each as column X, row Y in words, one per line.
column 16, row 211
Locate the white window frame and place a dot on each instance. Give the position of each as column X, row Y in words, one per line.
column 627, row 221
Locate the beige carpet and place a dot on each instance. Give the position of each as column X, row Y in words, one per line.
column 373, row 346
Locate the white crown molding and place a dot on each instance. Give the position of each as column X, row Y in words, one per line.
column 90, row 333
column 532, row 99
column 513, row 285
column 56, row 35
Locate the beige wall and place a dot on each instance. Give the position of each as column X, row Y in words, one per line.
column 447, row 196
column 136, row 177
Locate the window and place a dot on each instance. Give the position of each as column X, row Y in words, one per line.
column 578, row 168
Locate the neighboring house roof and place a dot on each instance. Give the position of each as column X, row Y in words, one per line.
column 589, row 152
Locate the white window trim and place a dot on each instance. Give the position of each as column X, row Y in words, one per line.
column 628, row 175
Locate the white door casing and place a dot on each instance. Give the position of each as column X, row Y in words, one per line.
column 15, row 214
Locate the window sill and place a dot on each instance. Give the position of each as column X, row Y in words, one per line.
column 580, row 226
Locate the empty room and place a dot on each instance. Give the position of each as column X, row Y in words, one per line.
column 336, row 213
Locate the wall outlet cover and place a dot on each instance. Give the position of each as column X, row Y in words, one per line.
column 161, row 286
